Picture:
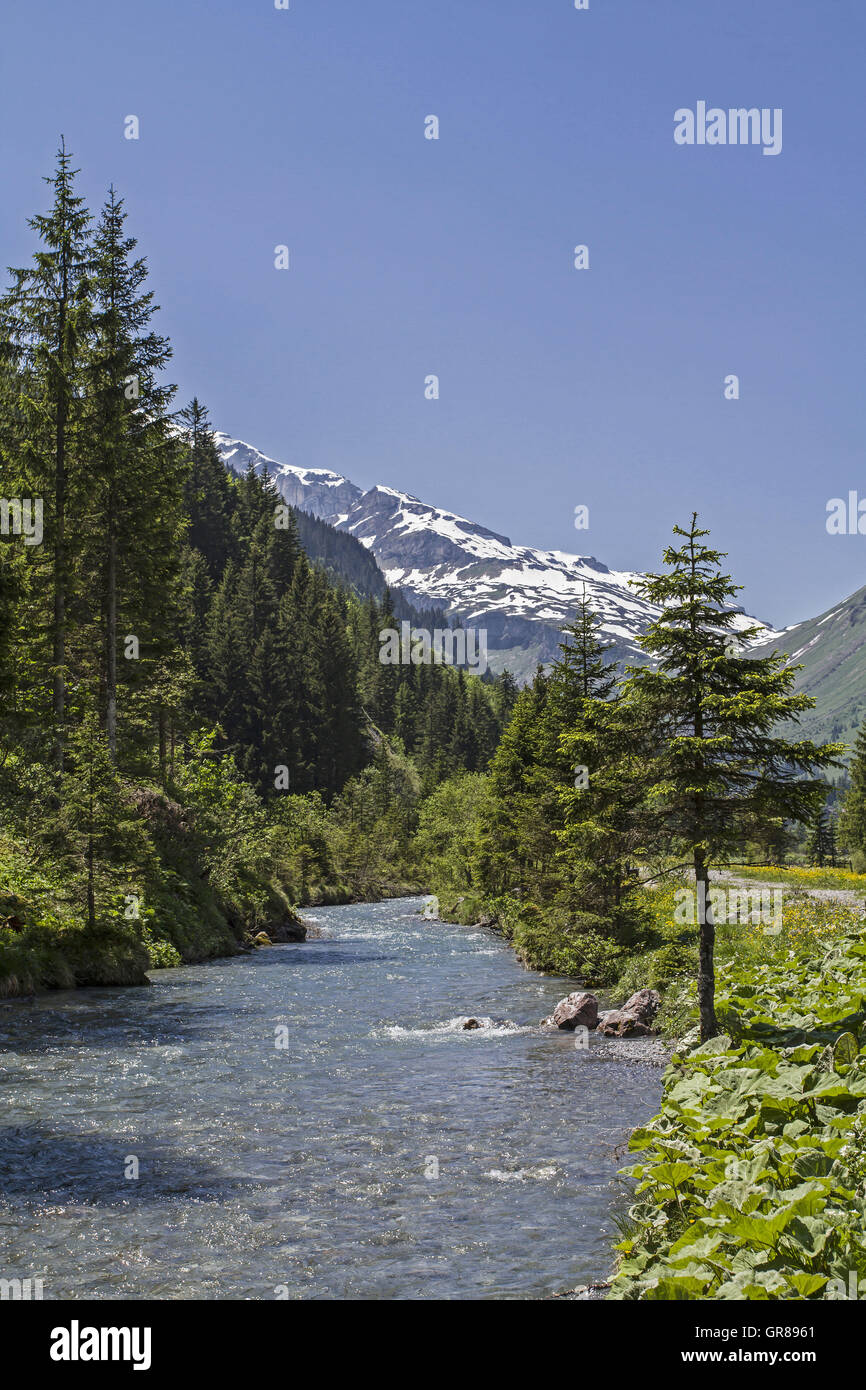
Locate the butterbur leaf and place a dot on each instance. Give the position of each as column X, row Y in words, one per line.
column 694, row 1246
column 673, row 1287
column 763, row 1230
column 813, row 1163
column 720, row 1043
column 670, row 1174
column 807, row 1284
column 753, row 1285
column 845, row 1050
column 735, row 1198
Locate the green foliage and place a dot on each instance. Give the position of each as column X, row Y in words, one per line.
column 750, row 1181
column 578, row 944
column 852, row 820
column 449, row 823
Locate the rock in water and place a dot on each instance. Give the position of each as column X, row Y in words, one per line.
column 622, row 1023
column 645, row 1003
column 471, row 1023
column 577, row 1010
column 288, row 930
column 634, row 1019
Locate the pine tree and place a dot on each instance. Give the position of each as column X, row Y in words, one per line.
column 45, row 327
column 133, row 466
column 817, row 844
column 209, row 498
column 514, row 841
column 716, row 763
column 93, row 811
column 599, row 828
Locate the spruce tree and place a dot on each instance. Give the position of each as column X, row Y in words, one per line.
column 514, row 841
column 209, row 497
column 132, row 464
column 716, row 763
column 599, row 828
column 45, row 319
column 93, row 815
column 818, row 843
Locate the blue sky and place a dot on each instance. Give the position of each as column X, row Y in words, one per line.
column 409, row 257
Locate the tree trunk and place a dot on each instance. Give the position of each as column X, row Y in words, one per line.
column 111, row 640
column 162, row 745
column 91, row 895
column 59, row 622
column 706, row 970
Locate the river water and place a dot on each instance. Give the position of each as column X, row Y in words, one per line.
column 311, row 1122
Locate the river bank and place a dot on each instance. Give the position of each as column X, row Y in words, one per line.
column 752, row 1177
column 192, row 879
column 61, row 955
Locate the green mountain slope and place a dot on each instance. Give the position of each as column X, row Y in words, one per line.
column 832, row 652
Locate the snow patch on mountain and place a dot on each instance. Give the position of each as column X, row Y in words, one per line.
column 521, row 595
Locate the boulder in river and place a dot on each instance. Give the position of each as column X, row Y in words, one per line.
column 635, row 1018
column 469, row 1023
column 645, row 1003
column 576, row 1010
column 288, row 930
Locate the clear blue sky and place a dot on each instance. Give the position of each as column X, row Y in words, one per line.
column 410, row 257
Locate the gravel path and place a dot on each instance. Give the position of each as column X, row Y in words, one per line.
column 840, row 895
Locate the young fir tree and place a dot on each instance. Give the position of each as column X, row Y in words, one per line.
column 210, row 501
column 515, row 844
column 45, row 319
column 602, row 745
column 818, row 846
column 579, row 684
column 93, row 815
column 716, row 763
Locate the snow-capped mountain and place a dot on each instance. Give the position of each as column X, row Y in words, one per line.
column 520, row 595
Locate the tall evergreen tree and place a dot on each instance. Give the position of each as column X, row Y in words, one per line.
column 134, row 467
column 45, row 320
column 716, row 762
